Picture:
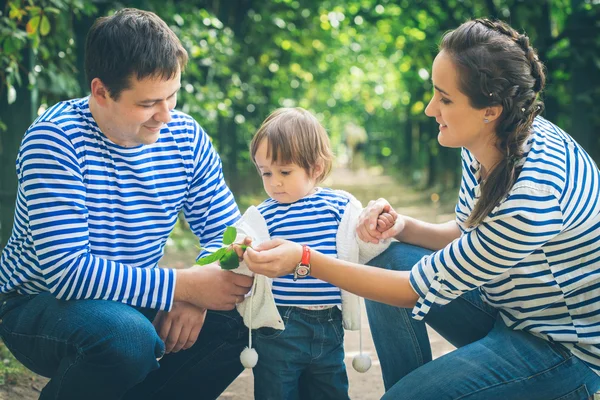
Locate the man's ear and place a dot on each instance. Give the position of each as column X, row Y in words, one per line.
column 492, row 113
column 99, row 92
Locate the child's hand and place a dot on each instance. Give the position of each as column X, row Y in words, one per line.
column 385, row 221
column 230, row 254
column 240, row 248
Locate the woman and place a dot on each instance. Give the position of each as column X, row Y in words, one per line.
column 513, row 281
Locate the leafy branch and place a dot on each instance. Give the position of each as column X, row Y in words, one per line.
column 226, row 255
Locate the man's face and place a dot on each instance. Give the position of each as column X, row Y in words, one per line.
column 141, row 111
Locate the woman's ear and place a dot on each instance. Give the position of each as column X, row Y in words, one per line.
column 492, row 113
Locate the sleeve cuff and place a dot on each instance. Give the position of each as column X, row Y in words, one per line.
column 170, row 282
column 429, row 287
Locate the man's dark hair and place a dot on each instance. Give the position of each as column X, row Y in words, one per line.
column 131, row 43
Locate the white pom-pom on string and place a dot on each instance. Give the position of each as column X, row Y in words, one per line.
column 249, row 358
column 361, row 363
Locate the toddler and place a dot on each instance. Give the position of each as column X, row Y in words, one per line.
column 292, row 153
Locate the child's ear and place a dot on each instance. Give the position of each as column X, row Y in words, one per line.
column 318, row 170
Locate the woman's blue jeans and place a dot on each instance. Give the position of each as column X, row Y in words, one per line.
column 491, row 361
column 96, row 349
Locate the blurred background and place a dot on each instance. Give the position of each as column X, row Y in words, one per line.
column 362, row 66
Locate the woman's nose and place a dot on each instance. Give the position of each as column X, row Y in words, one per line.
column 430, row 110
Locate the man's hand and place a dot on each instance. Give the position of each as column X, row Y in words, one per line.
column 211, row 287
column 180, row 327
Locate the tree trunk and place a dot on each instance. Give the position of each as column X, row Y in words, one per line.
column 583, row 74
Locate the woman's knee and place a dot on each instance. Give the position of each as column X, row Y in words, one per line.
column 399, row 257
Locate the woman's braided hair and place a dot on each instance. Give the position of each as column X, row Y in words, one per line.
column 498, row 66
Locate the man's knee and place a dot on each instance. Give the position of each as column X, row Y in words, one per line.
column 127, row 343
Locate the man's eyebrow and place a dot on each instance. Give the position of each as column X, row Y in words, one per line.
column 441, row 91
column 155, row 100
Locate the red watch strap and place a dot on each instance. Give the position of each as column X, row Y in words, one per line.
column 305, row 255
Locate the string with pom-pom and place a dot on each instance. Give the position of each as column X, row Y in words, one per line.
column 361, row 362
column 249, row 356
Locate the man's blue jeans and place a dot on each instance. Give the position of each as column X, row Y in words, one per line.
column 491, row 361
column 95, row 349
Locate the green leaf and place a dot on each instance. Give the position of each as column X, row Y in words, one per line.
column 230, row 260
column 32, row 25
column 229, row 235
column 44, row 26
column 34, row 10
column 11, row 95
column 16, row 13
column 211, row 258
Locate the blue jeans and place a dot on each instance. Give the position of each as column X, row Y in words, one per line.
column 304, row 361
column 491, row 361
column 95, row 349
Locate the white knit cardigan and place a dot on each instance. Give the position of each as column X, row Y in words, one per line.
column 258, row 309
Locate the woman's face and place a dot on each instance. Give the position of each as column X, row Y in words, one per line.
column 461, row 125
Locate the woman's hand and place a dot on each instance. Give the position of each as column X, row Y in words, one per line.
column 273, row 258
column 378, row 221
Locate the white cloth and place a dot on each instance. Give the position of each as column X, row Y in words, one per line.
column 351, row 248
column 258, row 308
column 263, row 312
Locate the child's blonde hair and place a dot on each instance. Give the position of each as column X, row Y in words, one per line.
column 295, row 136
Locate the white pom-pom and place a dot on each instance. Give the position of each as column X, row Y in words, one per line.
column 249, row 358
column 361, row 362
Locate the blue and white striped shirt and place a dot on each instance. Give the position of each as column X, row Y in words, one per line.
column 314, row 221
column 92, row 218
column 536, row 257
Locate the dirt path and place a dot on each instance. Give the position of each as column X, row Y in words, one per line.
column 365, row 185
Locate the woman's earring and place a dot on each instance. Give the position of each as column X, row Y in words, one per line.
column 486, row 121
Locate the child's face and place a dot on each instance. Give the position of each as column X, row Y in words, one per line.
column 283, row 183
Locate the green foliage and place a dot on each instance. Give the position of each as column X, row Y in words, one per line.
column 226, row 255
column 44, row 28
column 11, row 371
column 354, row 63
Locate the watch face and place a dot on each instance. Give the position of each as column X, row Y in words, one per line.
column 302, row 270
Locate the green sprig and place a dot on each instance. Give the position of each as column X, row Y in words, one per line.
column 226, row 255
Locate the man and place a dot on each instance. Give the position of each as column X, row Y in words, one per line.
column 101, row 182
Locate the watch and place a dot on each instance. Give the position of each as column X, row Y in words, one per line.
column 302, row 270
